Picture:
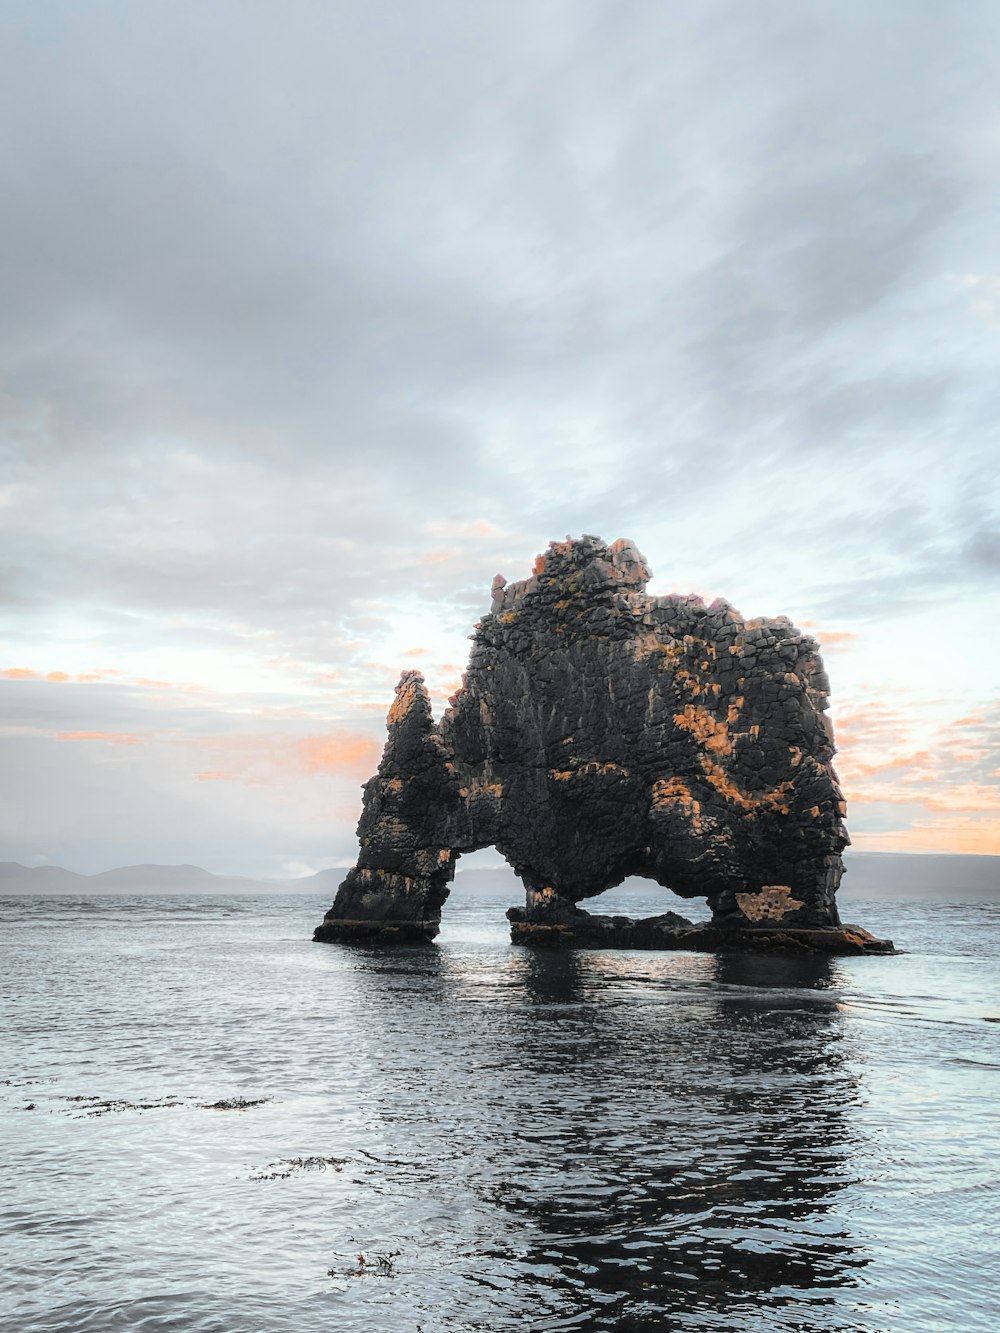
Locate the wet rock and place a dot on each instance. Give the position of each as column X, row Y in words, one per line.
column 601, row 733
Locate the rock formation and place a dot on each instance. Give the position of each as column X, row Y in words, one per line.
column 600, row 733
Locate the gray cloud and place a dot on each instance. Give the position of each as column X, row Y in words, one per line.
column 289, row 293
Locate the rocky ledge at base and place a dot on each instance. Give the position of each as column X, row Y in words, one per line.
column 585, row 930
column 601, row 733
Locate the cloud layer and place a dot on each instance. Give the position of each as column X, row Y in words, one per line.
column 316, row 318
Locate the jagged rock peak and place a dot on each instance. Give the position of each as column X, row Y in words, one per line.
column 576, row 568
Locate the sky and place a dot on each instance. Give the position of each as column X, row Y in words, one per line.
column 316, row 316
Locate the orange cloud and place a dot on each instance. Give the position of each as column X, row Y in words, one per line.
column 339, row 752
column 414, row 652
column 951, row 775
column 283, row 712
column 920, row 760
column 835, row 638
column 954, row 835
column 445, row 691
column 110, row 737
column 437, row 557
column 83, row 677
column 827, row 637
column 878, row 796
column 470, row 527
column 969, row 796
column 874, row 718
column 279, row 761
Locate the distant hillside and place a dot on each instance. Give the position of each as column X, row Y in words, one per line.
column 924, row 875
column 19, row 879
column 869, row 875
column 15, row 878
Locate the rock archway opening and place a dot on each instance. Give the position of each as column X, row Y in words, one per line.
column 640, row 897
column 485, row 874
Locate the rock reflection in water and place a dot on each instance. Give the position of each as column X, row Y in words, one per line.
column 665, row 1136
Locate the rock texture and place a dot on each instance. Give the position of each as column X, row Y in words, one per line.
column 601, row 733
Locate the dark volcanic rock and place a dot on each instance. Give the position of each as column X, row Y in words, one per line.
column 601, row 733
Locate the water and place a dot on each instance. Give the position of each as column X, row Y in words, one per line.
column 589, row 1141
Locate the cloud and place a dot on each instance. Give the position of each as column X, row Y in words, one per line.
column 107, row 737
column 954, row 776
column 307, row 336
column 961, row 835
column 355, row 755
column 830, row 640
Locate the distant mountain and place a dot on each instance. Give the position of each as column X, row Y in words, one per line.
column 169, row 879
column 958, row 878
column 15, row 878
column 19, row 879
column 946, row 877
column 869, row 875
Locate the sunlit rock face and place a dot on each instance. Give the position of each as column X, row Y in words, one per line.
column 600, row 733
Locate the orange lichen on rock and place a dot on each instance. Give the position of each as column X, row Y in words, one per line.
column 772, row 903
column 675, row 794
column 706, row 728
column 407, row 697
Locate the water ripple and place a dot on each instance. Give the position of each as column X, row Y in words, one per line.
column 226, row 1118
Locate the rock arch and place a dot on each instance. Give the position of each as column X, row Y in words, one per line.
column 600, row 733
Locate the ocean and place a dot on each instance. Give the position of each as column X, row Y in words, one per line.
column 211, row 1124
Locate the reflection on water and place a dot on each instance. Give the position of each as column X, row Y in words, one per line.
column 669, row 1133
column 541, row 1141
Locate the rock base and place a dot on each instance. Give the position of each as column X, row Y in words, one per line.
column 376, row 932
column 675, row 933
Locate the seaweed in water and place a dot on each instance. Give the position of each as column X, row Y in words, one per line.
column 101, row 1106
column 382, row 1264
column 283, row 1169
column 92, row 1105
column 234, row 1103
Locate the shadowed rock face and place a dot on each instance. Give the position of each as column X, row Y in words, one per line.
column 600, row 733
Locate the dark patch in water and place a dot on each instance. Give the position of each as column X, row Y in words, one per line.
column 98, row 1106
column 381, row 1264
column 295, row 1165
column 234, row 1103
column 93, row 1105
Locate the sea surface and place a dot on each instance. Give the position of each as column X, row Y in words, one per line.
column 210, row 1123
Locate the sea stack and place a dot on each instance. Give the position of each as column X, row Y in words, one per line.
column 600, row 733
